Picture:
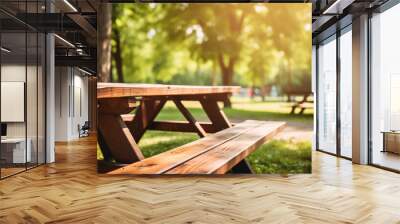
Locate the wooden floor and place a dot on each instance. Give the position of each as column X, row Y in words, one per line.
column 387, row 159
column 10, row 171
column 70, row 191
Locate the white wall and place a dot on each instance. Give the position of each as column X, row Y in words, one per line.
column 62, row 81
column 14, row 73
column 71, row 102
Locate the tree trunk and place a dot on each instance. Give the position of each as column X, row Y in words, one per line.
column 104, row 42
column 252, row 91
column 263, row 92
column 118, row 56
column 111, row 75
column 290, row 87
column 214, row 74
column 227, row 72
column 227, row 81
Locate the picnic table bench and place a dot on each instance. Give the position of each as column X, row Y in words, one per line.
column 223, row 146
column 213, row 154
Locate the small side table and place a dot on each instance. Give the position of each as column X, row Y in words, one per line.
column 391, row 141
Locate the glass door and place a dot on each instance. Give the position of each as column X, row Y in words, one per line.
column 14, row 155
column 327, row 96
column 22, row 77
column 385, row 89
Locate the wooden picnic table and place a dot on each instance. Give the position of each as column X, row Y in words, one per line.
column 126, row 111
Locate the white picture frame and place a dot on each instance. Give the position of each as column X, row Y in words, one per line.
column 12, row 101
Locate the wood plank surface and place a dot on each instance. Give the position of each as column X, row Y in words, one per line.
column 71, row 191
column 115, row 90
column 165, row 161
column 177, row 126
column 222, row 158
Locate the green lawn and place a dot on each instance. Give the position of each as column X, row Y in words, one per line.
column 276, row 156
column 243, row 109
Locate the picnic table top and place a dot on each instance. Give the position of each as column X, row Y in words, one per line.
column 115, row 90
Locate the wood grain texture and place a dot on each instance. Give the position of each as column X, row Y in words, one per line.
column 189, row 117
column 177, row 126
column 71, row 191
column 112, row 90
column 215, row 114
column 144, row 116
column 168, row 160
column 113, row 110
column 223, row 157
column 117, row 138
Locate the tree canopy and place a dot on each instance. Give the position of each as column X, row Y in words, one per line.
column 251, row 44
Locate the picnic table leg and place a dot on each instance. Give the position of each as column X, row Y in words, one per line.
column 144, row 117
column 242, row 167
column 113, row 131
column 220, row 122
column 107, row 156
column 293, row 110
column 189, row 117
column 215, row 114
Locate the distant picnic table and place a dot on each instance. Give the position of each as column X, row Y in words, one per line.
column 119, row 130
column 302, row 106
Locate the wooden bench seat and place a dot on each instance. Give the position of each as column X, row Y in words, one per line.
column 214, row 154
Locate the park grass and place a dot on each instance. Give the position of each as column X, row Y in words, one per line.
column 276, row 156
column 242, row 109
column 282, row 156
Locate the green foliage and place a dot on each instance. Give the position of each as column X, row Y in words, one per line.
column 156, row 142
column 243, row 109
column 256, row 42
column 198, row 78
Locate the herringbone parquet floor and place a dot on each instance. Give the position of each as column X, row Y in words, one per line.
column 70, row 191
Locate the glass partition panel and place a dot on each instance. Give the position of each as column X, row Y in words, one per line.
column 41, row 81
column 41, row 157
column 14, row 151
column 327, row 96
column 385, row 89
column 22, row 62
column 32, row 98
column 346, row 94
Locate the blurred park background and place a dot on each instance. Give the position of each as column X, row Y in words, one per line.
column 264, row 48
